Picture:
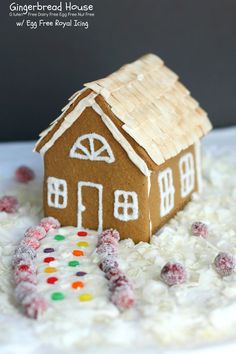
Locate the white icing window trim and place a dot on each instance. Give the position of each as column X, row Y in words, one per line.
column 167, row 191
column 187, row 174
column 82, row 208
column 92, row 154
column 57, row 188
column 125, row 205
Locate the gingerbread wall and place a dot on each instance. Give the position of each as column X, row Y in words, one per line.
column 122, row 174
column 156, row 220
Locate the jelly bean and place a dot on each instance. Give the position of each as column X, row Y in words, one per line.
column 78, row 253
column 59, row 237
column 86, row 297
column 57, row 296
column 73, row 263
column 52, row 280
column 82, row 233
column 49, row 259
column 77, row 284
column 83, row 244
column 80, row 274
column 48, row 250
column 50, row 270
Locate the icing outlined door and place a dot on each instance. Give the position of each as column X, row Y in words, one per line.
column 90, row 206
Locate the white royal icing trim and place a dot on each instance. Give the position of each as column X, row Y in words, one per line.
column 167, row 191
column 187, row 174
column 82, row 208
column 118, row 136
column 197, row 149
column 125, row 205
column 92, row 154
column 89, row 101
column 58, row 188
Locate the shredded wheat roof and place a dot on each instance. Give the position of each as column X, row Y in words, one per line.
column 157, row 111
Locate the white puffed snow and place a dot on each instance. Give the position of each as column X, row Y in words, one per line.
column 201, row 310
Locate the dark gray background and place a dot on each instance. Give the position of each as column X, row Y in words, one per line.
column 41, row 69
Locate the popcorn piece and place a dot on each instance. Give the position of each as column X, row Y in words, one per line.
column 37, row 232
column 123, row 297
column 224, row 264
column 173, row 273
column 49, row 223
column 9, row 204
column 198, row 228
column 24, row 174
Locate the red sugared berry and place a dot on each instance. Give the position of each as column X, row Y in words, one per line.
column 111, row 233
column 31, row 241
column 34, row 305
column 173, row 273
column 106, row 250
column 49, row 223
column 37, row 232
column 9, row 204
column 24, row 174
column 108, row 263
column 199, row 229
column 123, row 297
column 224, row 264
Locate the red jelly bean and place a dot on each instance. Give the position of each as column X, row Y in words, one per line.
column 82, row 233
column 49, row 259
column 52, row 280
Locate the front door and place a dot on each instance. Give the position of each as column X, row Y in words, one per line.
column 90, row 214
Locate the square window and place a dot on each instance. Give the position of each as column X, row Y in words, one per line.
column 57, row 192
column 167, row 191
column 126, row 205
column 187, row 174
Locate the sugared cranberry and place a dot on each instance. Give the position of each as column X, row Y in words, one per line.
column 108, row 263
column 34, row 305
column 37, row 232
column 123, row 297
column 173, row 273
column 111, row 233
column 199, row 229
column 49, row 223
column 24, row 174
column 224, row 264
column 9, row 204
column 31, row 241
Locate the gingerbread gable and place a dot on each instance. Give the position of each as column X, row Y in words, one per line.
column 155, row 110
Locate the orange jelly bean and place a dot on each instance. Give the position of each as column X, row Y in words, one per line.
column 77, row 284
column 78, row 253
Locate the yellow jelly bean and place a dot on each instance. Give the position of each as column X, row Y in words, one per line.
column 82, row 244
column 86, row 297
column 50, row 270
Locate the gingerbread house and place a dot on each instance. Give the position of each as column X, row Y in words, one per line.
column 124, row 153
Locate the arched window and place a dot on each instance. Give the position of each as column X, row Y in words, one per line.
column 186, row 169
column 167, row 191
column 92, row 147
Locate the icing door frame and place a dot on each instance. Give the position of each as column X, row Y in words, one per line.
column 82, row 208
